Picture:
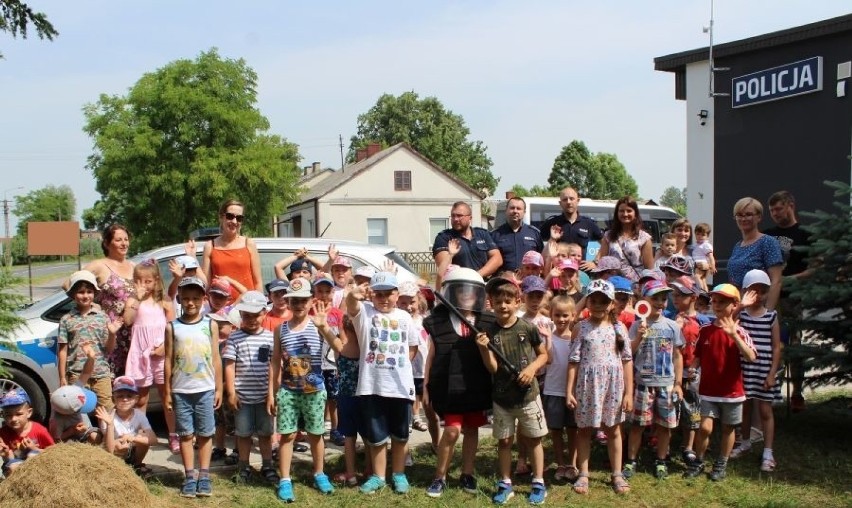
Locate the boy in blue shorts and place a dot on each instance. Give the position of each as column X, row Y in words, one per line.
column 656, row 344
column 246, row 355
column 193, row 384
column 386, row 380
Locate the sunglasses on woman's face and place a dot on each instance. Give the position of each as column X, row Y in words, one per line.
column 233, row 216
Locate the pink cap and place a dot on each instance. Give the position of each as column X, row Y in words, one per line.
column 569, row 264
column 220, row 286
column 342, row 261
column 532, row 257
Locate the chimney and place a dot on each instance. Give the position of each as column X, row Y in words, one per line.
column 510, row 194
column 315, row 167
column 360, row 154
column 306, row 171
column 373, row 149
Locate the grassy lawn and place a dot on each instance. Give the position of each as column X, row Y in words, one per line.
column 813, row 451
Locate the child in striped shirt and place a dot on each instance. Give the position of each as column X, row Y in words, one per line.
column 246, row 357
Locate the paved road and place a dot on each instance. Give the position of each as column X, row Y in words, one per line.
column 46, row 279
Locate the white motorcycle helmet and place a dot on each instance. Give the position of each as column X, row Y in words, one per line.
column 464, row 289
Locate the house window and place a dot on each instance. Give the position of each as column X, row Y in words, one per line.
column 402, row 180
column 435, row 227
column 377, row 231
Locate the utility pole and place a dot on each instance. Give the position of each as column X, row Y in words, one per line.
column 341, row 151
column 7, row 250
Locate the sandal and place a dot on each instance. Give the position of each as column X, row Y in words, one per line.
column 143, row 471
column 571, row 474
column 270, row 475
column 232, row 459
column 619, row 484
column 581, row 485
column 243, row 476
column 419, row 425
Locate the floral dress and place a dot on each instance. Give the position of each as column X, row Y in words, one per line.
column 112, row 297
column 628, row 250
column 600, row 377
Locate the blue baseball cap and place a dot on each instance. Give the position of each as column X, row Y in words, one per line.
column 621, row 284
column 383, row 281
column 276, row 285
column 532, row 283
column 300, row 264
column 14, row 397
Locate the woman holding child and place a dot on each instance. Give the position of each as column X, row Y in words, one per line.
column 231, row 253
column 627, row 241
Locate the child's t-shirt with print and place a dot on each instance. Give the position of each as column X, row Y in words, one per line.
column 251, row 353
column 654, row 359
column 384, row 339
column 301, row 354
column 518, row 343
column 192, row 371
column 76, row 329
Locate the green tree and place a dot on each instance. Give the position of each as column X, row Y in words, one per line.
column 10, row 301
column 534, row 191
column 592, row 175
column 47, row 204
column 434, row 131
column 16, row 17
column 185, row 138
column 826, row 295
column 675, row 199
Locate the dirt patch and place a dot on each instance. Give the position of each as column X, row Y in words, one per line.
column 73, row 475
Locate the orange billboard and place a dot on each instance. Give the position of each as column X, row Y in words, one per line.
column 53, row 238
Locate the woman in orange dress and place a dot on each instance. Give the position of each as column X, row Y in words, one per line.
column 232, row 254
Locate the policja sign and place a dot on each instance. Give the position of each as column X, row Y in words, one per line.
column 780, row 82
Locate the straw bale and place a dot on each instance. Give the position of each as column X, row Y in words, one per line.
column 71, row 475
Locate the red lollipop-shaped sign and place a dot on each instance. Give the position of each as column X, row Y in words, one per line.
column 643, row 309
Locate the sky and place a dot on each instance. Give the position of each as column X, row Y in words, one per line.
column 528, row 77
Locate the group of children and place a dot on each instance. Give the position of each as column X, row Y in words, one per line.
column 542, row 355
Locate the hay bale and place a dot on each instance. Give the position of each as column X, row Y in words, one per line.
column 72, row 475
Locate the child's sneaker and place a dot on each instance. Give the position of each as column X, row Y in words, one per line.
column 437, row 487
column 629, row 469
column 218, row 454
column 718, row 473
column 400, row 483
column 743, row 448
column 204, row 487
column 336, row 437
column 768, row 465
column 661, row 471
column 372, row 485
column 189, row 488
column 285, row 491
column 468, row 484
column 695, row 469
column 322, row 484
column 504, row 493
column 537, row 493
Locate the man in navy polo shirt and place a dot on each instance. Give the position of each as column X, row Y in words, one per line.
column 465, row 246
column 514, row 238
column 575, row 228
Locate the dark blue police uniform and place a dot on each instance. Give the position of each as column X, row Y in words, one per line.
column 580, row 231
column 513, row 245
column 473, row 253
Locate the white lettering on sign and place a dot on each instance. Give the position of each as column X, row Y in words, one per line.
column 777, row 83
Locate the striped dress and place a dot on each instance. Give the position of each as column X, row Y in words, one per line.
column 754, row 373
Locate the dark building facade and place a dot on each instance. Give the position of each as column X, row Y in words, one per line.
column 781, row 118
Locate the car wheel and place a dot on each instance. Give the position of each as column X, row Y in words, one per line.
column 16, row 378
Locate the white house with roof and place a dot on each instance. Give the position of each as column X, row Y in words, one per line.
column 394, row 196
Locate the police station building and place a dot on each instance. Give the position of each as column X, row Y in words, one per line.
column 776, row 114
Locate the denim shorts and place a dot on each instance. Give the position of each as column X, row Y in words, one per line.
column 384, row 418
column 194, row 413
column 347, row 415
column 252, row 419
column 332, row 384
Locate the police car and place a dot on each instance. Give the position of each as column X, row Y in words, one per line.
column 33, row 366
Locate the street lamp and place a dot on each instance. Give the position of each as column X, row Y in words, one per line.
column 7, row 248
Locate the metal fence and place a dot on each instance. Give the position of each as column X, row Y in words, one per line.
column 422, row 263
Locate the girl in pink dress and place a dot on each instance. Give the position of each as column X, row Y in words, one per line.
column 148, row 313
column 600, row 377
